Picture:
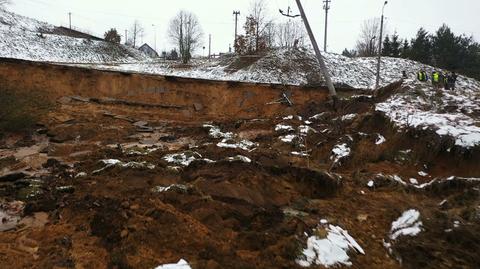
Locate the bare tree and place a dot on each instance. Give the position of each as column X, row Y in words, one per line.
column 136, row 32
column 258, row 12
column 185, row 32
column 290, row 34
column 367, row 43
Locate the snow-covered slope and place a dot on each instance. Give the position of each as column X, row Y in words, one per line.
column 291, row 67
column 452, row 113
column 21, row 38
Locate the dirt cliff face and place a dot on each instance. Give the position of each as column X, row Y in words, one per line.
column 195, row 97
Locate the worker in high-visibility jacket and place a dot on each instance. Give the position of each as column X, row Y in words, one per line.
column 436, row 79
column 422, row 76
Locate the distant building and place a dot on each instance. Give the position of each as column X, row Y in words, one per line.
column 145, row 48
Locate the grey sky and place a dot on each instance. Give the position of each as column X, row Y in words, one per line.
column 215, row 16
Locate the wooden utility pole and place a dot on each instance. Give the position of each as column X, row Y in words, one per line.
column 236, row 13
column 326, row 7
column 377, row 83
column 126, row 37
column 323, row 67
column 70, row 19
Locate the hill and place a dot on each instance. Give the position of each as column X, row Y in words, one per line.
column 30, row 39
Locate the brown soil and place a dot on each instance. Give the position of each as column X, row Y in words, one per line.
column 235, row 214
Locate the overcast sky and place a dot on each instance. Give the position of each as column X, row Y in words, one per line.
column 216, row 18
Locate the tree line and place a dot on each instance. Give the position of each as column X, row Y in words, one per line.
column 442, row 49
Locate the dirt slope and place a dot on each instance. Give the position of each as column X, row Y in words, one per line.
column 113, row 186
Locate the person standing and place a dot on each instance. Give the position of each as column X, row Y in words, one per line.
column 435, row 79
column 452, row 80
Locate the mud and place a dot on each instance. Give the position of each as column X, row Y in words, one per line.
column 225, row 211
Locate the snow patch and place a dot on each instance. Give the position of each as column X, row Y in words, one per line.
column 408, row 224
column 240, row 158
column 242, row 144
column 183, row 159
column 339, row 152
column 287, row 138
column 114, row 162
column 329, row 251
column 182, row 264
column 281, row 127
column 380, row 140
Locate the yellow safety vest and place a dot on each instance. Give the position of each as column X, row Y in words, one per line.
column 436, row 77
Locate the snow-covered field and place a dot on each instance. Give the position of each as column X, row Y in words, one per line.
column 29, row 39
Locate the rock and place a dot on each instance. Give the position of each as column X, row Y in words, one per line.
column 80, row 99
column 144, row 129
column 64, row 100
column 197, row 106
column 140, row 124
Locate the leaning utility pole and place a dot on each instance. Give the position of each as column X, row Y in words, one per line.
column 326, row 7
column 236, row 13
column 377, row 84
column 70, row 19
column 323, row 67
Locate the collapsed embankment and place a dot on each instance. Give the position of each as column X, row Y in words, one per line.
column 192, row 97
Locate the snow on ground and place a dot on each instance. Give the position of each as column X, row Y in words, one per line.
column 448, row 113
column 281, row 127
column 234, row 144
column 20, row 38
column 380, row 140
column 184, row 158
column 331, row 250
column 182, row 264
column 230, row 140
column 114, row 162
column 408, row 224
column 239, row 158
column 339, row 152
